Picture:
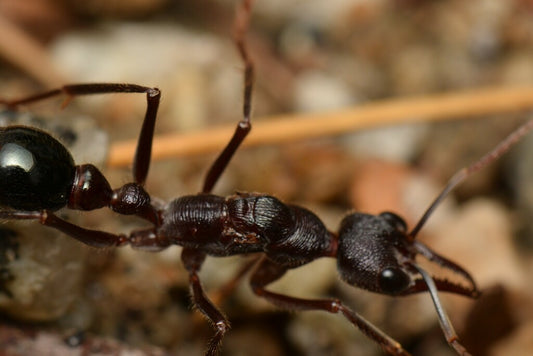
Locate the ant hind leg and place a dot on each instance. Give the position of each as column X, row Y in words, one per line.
column 268, row 272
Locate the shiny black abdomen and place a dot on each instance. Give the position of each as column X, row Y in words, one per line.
column 36, row 171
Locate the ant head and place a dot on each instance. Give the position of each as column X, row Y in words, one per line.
column 377, row 253
column 373, row 251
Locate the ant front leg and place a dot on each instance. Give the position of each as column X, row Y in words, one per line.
column 192, row 260
column 141, row 162
column 267, row 272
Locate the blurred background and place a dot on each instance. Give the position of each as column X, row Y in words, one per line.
column 310, row 56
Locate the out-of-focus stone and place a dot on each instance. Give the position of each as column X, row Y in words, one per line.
column 394, row 143
column 19, row 342
column 46, row 268
column 479, row 238
column 518, row 344
column 47, row 273
column 118, row 8
column 378, row 186
column 318, row 333
column 316, row 91
column 490, row 319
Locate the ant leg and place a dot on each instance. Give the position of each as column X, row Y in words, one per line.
column 94, row 238
column 242, row 19
column 192, row 260
column 268, row 272
column 141, row 162
column 220, row 295
column 146, row 240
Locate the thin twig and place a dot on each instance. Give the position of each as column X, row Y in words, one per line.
column 26, row 53
column 295, row 127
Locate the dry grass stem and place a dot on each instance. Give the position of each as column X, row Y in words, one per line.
column 27, row 54
column 295, row 127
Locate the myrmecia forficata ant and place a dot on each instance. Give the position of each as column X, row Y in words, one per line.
column 373, row 252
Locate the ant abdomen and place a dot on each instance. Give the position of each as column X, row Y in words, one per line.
column 36, row 170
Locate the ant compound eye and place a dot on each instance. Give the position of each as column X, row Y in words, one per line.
column 394, row 220
column 393, row 280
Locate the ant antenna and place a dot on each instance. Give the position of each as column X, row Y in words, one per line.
column 242, row 21
column 444, row 321
column 464, row 173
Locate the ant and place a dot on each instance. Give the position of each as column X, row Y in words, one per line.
column 374, row 252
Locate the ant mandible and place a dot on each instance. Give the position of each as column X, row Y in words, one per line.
column 374, row 252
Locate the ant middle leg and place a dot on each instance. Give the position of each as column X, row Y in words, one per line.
column 242, row 19
column 192, row 260
column 141, row 162
column 267, row 272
